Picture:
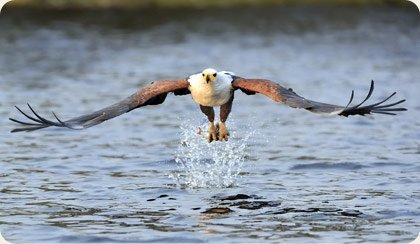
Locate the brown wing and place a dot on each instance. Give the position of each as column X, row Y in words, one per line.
column 287, row 96
column 152, row 94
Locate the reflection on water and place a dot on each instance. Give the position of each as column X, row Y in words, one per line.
column 300, row 178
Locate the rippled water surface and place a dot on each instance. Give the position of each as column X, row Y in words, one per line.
column 285, row 175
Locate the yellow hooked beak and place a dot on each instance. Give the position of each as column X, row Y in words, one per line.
column 209, row 77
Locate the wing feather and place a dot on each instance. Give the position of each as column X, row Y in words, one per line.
column 152, row 94
column 280, row 94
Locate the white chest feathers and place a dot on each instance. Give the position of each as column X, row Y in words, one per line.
column 214, row 93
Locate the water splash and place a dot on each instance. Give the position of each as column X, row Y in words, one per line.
column 207, row 165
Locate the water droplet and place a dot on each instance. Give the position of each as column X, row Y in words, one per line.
column 206, row 165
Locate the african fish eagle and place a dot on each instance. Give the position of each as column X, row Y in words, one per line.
column 209, row 89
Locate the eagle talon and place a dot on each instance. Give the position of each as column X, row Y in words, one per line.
column 223, row 132
column 212, row 133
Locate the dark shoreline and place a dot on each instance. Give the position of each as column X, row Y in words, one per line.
column 167, row 4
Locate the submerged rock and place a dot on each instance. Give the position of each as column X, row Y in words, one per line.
column 236, row 197
column 256, row 204
column 218, row 211
column 351, row 213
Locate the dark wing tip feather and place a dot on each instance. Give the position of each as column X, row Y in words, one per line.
column 373, row 108
column 28, row 116
column 64, row 124
column 37, row 123
column 351, row 99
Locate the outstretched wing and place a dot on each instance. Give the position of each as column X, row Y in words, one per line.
column 287, row 96
column 152, row 94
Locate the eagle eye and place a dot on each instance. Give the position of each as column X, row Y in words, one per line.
column 204, row 74
column 214, row 75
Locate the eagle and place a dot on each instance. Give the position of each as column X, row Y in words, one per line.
column 209, row 89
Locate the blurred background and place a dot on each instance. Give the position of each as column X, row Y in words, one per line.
column 190, row 3
column 146, row 176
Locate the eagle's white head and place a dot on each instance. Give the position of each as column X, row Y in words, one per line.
column 209, row 75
